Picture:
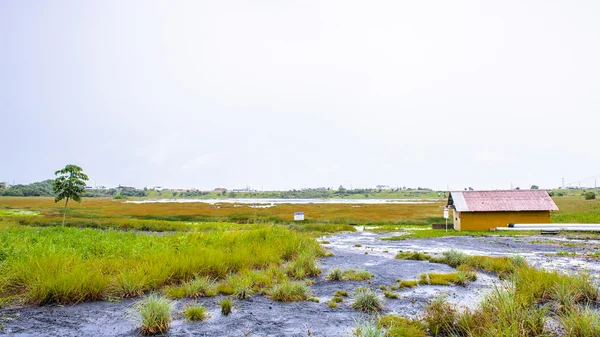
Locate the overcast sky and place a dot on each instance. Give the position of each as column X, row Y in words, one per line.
column 293, row 94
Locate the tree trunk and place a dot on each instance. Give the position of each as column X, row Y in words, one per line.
column 65, row 212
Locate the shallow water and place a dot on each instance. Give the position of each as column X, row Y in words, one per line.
column 289, row 201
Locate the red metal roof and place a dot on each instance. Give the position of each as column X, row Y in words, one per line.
column 493, row 201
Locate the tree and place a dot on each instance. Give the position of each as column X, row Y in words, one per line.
column 70, row 184
column 589, row 195
column 535, row 187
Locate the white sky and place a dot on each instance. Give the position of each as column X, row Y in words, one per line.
column 292, row 94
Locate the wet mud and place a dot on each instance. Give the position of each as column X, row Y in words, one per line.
column 260, row 316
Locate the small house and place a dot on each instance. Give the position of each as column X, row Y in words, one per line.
column 484, row 210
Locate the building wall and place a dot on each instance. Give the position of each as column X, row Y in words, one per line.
column 488, row 220
column 456, row 216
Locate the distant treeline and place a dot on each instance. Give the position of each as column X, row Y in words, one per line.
column 38, row 189
column 44, row 189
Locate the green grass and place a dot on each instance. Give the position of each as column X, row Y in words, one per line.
column 341, row 293
column 502, row 266
column 357, row 275
column 396, row 326
column 390, row 294
column 337, row 299
column 414, row 255
column 290, row 292
column 195, row 313
column 17, row 213
column 198, row 287
column 226, row 306
column 438, row 233
column 407, row 283
column 444, row 279
column 581, row 323
column 70, row 265
column 365, row 299
column 367, row 328
column 517, row 308
column 335, row 274
column 565, row 253
column 155, row 314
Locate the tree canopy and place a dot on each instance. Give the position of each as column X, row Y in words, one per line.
column 70, row 183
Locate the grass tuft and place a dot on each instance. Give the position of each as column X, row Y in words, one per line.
column 397, row 326
column 414, row 255
column 341, row 293
column 407, row 283
column 335, row 274
column 226, row 306
column 581, row 323
column 195, row 313
column 365, row 299
column 390, row 294
column 367, row 328
column 290, row 292
column 155, row 314
column 357, row 275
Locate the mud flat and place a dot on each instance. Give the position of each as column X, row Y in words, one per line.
column 260, row 316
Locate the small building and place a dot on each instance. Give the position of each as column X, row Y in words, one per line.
column 484, row 210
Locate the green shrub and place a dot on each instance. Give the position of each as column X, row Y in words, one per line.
column 589, row 195
column 155, row 314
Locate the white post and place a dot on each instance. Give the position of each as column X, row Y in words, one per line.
column 446, row 216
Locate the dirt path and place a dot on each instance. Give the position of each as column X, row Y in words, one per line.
column 259, row 316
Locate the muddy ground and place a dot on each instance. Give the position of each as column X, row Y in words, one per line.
column 259, row 316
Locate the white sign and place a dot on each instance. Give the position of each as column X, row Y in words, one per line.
column 445, row 213
column 298, row 216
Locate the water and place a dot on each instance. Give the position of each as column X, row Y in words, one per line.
column 292, row 201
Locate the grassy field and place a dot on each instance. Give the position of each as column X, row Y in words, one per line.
column 572, row 209
column 196, row 212
column 69, row 265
